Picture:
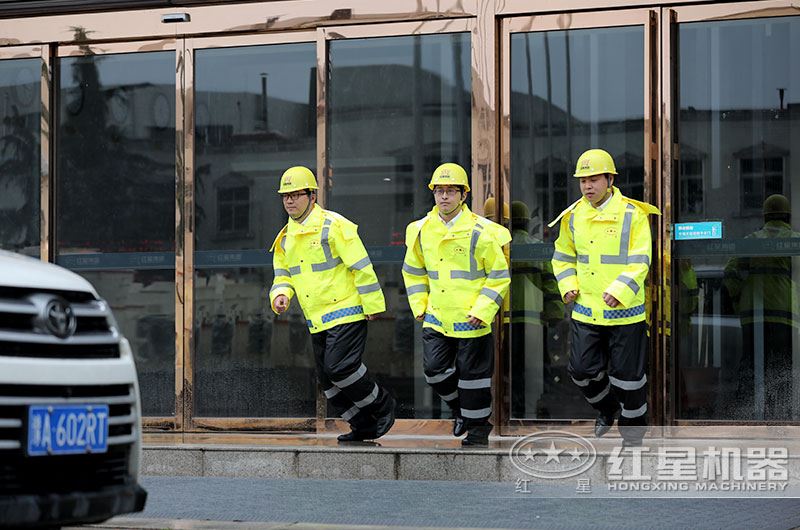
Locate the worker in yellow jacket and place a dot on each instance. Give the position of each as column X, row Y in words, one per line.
column 456, row 277
column 319, row 258
column 601, row 262
column 768, row 301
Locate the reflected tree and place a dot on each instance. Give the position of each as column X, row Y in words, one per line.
column 113, row 190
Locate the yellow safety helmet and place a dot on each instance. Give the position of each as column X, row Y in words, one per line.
column 449, row 174
column 490, row 207
column 594, row 162
column 297, row 178
column 777, row 203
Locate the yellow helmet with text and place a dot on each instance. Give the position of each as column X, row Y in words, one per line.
column 594, row 162
column 449, row 174
column 297, row 178
column 490, row 207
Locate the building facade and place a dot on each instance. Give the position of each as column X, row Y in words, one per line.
column 141, row 144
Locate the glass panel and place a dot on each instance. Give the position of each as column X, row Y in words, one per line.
column 397, row 108
column 143, row 302
column 570, row 91
column 735, row 314
column 20, row 117
column 255, row 116
column 115, row 198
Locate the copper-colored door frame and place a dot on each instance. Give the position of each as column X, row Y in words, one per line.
column 192, row 422
column 480, row 183
column 671, row 18
column 148, row 422
column 648, row 18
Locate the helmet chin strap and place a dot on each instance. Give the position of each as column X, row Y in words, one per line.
column 456, row 208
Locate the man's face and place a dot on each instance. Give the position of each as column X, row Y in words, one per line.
column 594, row 187
column 295, row 203
column 447, row 197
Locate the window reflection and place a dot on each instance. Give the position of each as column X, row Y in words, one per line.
column 248, row 363
column 143, row 303
column 736, row 324
column 20, row 118
column 255, row 113
column 397, row 108
column 116, row 153
column 570, row 90
column 115, row 199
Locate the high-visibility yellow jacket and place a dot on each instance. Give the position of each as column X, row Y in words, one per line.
column 605, row 251
column 762, row 287
column 324, row 263
column 534, row 291
column 452, row 274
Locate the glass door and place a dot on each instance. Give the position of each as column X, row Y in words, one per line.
column 21, row 153
column 397, row 104
column 571, row 82
column 733, row 183
column 115, row 199
column 252, row 114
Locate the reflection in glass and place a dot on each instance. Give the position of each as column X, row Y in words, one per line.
column 255, row 110
column 116, row 153
column 570, row 91
column 248, row 363
column 20, row 126
column 736, row 318
column 397, row 108
column 115, row 198
column 143, row 303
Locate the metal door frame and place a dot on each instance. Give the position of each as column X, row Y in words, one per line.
column 648, row 18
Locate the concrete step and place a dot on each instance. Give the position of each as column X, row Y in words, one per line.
column 548, row 458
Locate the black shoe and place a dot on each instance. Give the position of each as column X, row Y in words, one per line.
column 478, row 436
column 603, row 424
column 385, row 417
column 459, row 426
column 357, row 435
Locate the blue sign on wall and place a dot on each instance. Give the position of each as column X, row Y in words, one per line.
column 704, row 230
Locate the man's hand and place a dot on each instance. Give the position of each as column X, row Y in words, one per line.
column 372, row 316
column 421, row 317
column 475, row 322
column 610, row 300
column 570, row 296
column 281, row 303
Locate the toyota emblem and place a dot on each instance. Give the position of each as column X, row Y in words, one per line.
column 59, row 318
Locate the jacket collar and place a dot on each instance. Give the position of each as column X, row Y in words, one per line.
column 614, row 204
column 462, row 223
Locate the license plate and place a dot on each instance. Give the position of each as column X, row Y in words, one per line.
column 67, row 429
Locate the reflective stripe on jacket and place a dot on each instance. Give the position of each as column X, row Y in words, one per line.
column 324, row 263
column 607, row 251
column 453, row 273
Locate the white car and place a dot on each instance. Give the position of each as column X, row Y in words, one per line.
column 70, row 416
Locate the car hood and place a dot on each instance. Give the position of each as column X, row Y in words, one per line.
column 17, row 270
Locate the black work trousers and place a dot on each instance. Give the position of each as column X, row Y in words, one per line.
column 460, row 371
column 351, row 392
column 609, row 364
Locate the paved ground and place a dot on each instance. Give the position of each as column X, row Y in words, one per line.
column 204, row 502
